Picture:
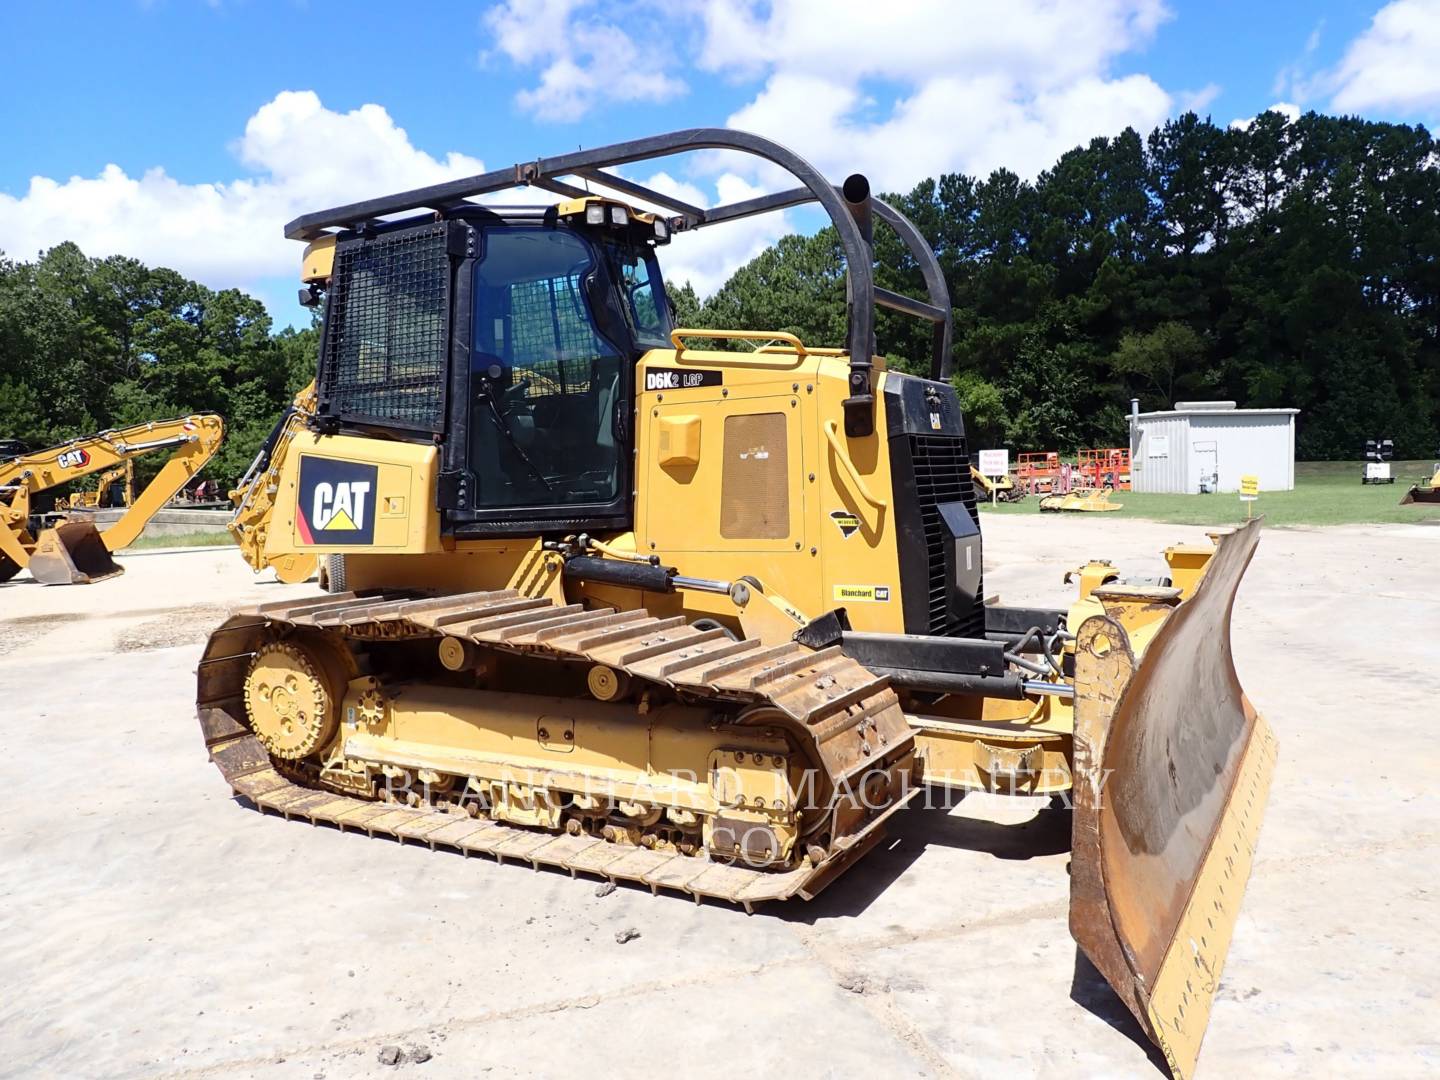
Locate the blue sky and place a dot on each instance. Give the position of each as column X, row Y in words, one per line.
column 185, row 132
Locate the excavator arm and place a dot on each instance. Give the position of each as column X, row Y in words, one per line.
column 74, row 552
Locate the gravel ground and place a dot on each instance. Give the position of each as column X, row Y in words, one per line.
column 150, row 925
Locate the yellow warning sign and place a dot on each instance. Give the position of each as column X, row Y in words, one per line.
column 867, row 594
column 1249, row 487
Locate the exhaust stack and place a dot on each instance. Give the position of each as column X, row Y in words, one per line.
column 860, row 405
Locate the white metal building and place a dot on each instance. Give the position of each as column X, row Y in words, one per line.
column 1208, row 445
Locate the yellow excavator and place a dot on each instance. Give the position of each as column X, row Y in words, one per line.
column 103, row 494
column 995, row 488
column 625, row 602
column 74, row 552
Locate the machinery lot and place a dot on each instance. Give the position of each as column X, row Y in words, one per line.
column 149, row 925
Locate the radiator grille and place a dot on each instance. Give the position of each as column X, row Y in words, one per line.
column 386, row 334
column 942, row 475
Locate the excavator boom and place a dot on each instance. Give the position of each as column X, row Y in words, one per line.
column 75, row 552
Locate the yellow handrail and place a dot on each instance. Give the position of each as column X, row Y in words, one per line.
column 832, row 436
column 739, row 335
column 786, row 350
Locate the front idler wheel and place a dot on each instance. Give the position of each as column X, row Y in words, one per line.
column 291, row 701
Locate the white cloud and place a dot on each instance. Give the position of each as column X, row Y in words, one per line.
column 1036, row 41
column 1197, row 101
column 707, row 257
column 304, row 156
column 1294, row 80
column 587, row 59
column 970, row 123
column 898, row 90
column 902, row 91
column 1289, row 110
column 1394, row 64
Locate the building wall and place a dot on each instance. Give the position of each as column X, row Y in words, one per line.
column 1171, row 453
column 1160, row 458
column 1256, row 444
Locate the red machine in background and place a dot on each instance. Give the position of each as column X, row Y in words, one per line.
column 1108, row 468
column 1038, row 474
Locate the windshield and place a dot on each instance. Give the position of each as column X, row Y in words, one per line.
column 545, row 380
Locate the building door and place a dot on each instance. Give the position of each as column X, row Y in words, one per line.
column 1205, row 456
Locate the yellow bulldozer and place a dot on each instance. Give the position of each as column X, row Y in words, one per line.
column 1425, row 490
column 625, row 602
column 71, row 551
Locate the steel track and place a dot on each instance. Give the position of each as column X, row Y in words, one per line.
column 850, row 717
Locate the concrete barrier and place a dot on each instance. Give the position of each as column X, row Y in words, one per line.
column 171, row 521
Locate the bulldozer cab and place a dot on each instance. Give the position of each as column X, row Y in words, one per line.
column 513, row 337
column 510, row 336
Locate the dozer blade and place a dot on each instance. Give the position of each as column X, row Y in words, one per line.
column 1422, row 494
column 72, row 553
column 1172, row 765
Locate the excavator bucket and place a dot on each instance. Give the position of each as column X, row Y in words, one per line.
column 72, row 553
column 1172, row 766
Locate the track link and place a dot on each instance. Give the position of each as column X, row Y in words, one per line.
column 850, row 716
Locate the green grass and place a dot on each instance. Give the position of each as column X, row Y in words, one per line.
column 1326, row 493
column 196, row 539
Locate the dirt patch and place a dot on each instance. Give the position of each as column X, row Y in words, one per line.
column 22, row 629
column 39, row 620
column 181, row 626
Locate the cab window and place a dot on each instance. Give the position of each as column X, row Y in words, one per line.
column 544, row 379
column 646, row 305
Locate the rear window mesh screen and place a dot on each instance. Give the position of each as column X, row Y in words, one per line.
column 386, row 334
